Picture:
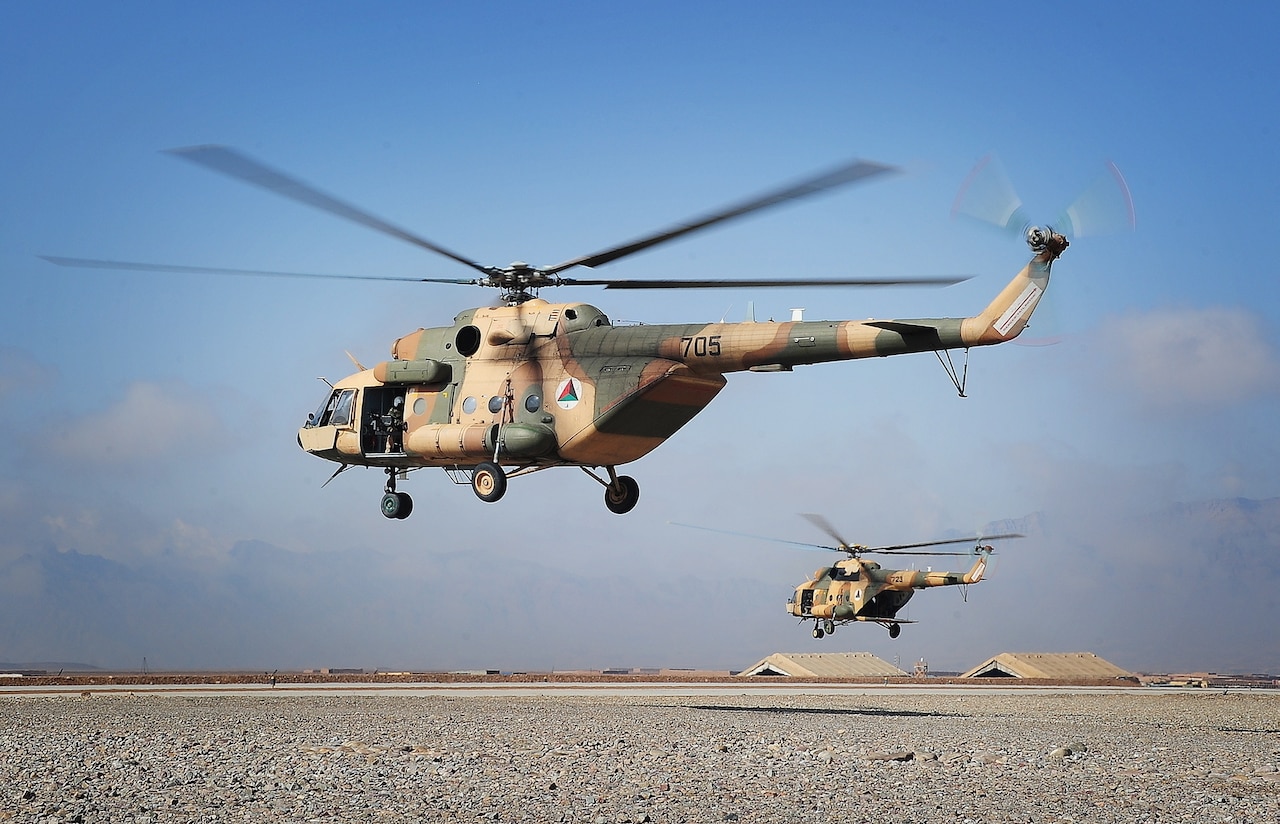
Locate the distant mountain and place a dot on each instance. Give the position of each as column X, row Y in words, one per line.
column 1235, row 529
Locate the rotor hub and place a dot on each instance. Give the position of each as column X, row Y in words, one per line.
column 519, row 282
column 1045, row 241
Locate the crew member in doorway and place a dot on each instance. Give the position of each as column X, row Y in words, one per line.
column 393, row 425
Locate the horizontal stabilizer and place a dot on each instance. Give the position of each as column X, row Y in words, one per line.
column 903, row 327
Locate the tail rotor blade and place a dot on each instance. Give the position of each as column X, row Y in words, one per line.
column 988, row 196
column 1105, row 208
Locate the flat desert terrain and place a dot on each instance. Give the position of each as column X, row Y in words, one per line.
column 697, row 753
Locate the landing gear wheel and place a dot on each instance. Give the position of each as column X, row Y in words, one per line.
column 622, row 495
column 489, row 482
column 829, row 626
column 895, row 630
column 406, row 505
column 817, row 631
column 397, row 505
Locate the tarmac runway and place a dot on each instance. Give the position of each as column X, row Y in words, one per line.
column 571, row 689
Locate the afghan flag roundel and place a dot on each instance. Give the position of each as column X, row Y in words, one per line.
column 568, row 393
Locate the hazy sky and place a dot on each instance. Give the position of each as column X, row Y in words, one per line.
column 151, row 417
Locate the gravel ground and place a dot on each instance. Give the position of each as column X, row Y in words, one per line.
column 953, row 757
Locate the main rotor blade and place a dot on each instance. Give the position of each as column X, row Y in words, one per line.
column 825, row 525
column 756, row 537
column 900, row 548
column 89, row 263
column 844, row 546
column 753, row 283
column 914, row 554
column 848, row 173
column 233, row 164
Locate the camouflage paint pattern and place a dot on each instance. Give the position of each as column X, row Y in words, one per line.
column 542, row 384
column 858, row 590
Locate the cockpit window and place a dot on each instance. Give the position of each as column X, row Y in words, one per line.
column 321, row 416
column 335, row 410
column 341, row 415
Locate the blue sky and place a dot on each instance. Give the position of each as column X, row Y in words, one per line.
column 542, row 132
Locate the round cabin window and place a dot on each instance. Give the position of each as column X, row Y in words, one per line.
column 468, row 405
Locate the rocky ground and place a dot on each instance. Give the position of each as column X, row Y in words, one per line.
column 948, row 756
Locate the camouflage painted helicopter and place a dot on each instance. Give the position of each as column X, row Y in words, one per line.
column 858, row 590
column 528, row 385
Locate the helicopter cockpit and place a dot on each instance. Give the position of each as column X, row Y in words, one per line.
column 335, row 410
column 374, row 415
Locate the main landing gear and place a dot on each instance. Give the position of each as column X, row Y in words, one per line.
column 489, row 482
column 828, row 627
column 621, row 492
column 397, row 505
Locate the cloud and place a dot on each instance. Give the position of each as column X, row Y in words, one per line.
column 38, row 518
column 122, row 535
column 151, row 422
column 1190, row 360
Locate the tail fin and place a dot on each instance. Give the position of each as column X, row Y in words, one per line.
column 1007, row 315
column 979, row 569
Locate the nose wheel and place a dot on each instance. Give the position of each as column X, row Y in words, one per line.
column 895, row 630
column 395, row 505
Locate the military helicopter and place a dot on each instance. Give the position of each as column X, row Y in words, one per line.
column 858, row 590
column 528, row 385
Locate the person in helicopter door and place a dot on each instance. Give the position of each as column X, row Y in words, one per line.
column 393, row 425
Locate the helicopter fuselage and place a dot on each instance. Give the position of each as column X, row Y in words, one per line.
column 858, row 590
column 542, row 384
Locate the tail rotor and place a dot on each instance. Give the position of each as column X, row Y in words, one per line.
column 988, row 196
